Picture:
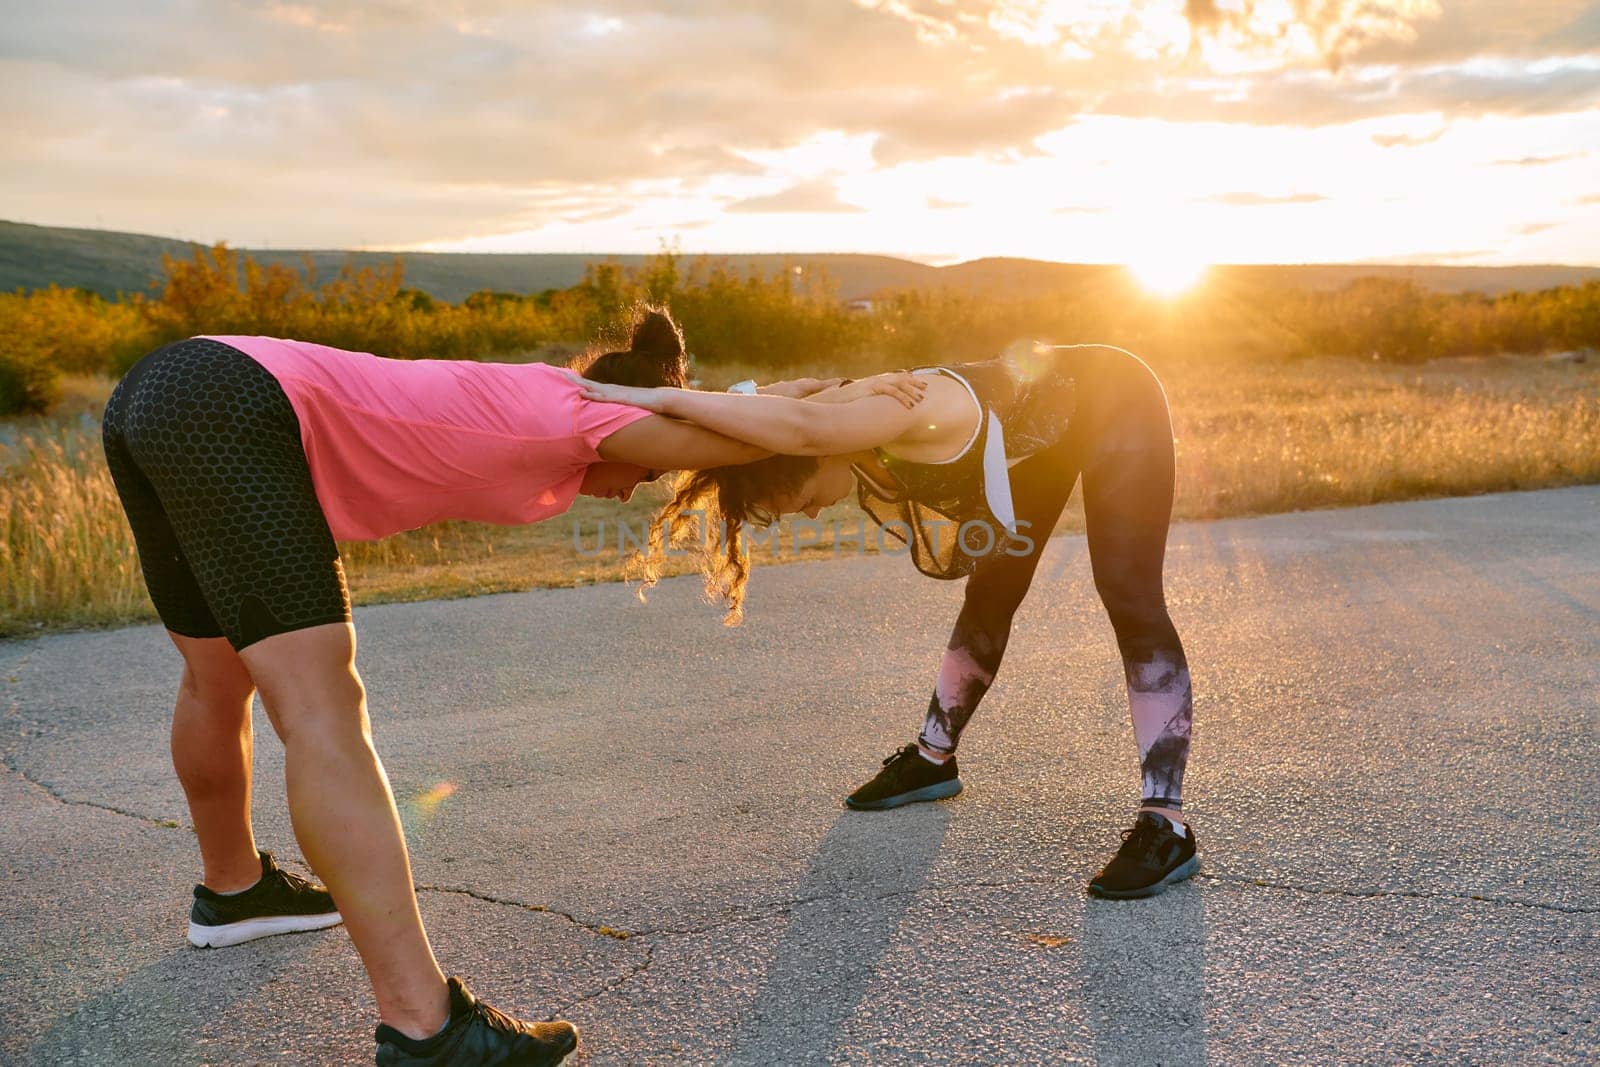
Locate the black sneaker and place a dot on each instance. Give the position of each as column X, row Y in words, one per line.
column 478, row 1036
column 905, row 779
column 281, row 903
column 1152, row 857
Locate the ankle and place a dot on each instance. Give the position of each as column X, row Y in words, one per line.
column 235, row 878
column 421, row 1019
column 1174, row 818
column 933, row 755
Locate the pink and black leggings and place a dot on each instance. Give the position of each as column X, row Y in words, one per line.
column 1120, row 443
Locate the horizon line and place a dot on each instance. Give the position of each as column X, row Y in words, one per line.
column 930, row 260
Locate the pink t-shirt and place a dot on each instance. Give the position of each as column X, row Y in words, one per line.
column 396, row 444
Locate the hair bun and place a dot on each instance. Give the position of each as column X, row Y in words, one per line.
column 657, row 336
column 655, row 355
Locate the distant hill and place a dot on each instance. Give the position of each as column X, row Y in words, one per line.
column 109, row 263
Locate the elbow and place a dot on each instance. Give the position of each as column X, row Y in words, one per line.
column 810, row 439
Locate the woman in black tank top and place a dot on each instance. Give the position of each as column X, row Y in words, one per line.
column 974, row 477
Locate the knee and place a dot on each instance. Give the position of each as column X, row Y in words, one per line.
column 1139, row 617
column 216, row 690
column 328, row 707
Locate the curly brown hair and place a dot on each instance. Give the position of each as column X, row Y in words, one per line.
column 723, row 500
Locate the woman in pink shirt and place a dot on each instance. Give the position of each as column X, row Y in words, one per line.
column 240, row 461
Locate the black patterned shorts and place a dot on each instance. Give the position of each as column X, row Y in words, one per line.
column 205, row 451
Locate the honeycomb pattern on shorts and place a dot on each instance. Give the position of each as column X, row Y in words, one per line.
column 205, row 450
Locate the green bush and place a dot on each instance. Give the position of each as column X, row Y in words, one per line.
column 29, row 384
column 778, row 320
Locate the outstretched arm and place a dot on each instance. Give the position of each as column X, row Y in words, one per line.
column 664, row 444
column 904, row 385
column 773, row 423
column 799, row 388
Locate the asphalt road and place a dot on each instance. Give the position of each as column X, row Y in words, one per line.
column 1396, row 765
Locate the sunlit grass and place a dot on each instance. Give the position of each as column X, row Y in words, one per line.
column 1250, row 440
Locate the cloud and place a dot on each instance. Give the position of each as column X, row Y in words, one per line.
column 1528, row 229
column 940, row 204
column 1537, row 161
column 1260, row 199
column 1319, row 98
column 672, row 227
column 1204, row 31
column 414, row 121
column 1406, row 140
column 1334, row 30
column 813, row 196
column 928, row 128
column 1421, row 258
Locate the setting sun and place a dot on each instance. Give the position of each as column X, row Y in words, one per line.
column 1168, row 274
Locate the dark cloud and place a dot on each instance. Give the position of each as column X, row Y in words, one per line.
column 817, row 196
column 1260, row 199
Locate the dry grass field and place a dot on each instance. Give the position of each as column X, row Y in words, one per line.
column 1251, row 439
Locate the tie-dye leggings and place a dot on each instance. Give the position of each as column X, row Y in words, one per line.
column 1120, row 441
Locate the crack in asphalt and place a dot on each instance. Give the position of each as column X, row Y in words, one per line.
column 1415, row 894
column 599, row 929
column 50, row 791
column 8, row 759
column 613, row 985
column 778, row 909
column 782, row 908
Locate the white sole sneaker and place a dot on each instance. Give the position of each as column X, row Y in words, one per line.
column 251, row 929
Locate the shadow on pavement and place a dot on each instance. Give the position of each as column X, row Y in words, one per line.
column 835, row 941
column 1144, row 978
column 161, row 1013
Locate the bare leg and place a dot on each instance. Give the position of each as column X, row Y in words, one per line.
column 211, row 751
column 344, row 815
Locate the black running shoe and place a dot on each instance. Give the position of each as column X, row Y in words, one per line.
column 905, row 779
column 478, row 1036
column 1152, row 857
column 281, row 903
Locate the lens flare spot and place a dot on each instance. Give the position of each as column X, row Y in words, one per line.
column 419, row 809
column 1030, row 359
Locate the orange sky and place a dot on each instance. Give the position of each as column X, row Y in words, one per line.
column 1176, row 132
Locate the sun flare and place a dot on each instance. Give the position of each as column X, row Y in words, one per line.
column 1168, row 273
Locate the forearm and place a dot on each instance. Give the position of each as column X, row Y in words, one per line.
column 663, row 443
column 774, row 423
column 797, row 388
column 777, row 423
